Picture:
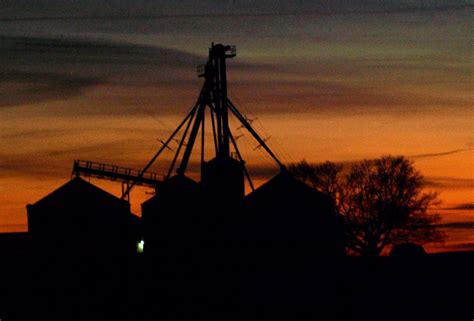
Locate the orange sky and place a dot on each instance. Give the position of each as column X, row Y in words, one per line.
column 333, row 86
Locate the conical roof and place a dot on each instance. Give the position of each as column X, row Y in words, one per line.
column 80, row 217
column 175, row 187
column 285, row 186
column 76, row 192
column 288, row 212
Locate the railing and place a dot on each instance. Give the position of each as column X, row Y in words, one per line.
column 201, row 70
column 115, row 173
column 233, row 50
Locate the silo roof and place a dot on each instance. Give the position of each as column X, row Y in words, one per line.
column 224, row 160
column 76, row 190
column 175, row 185
column 283, row 184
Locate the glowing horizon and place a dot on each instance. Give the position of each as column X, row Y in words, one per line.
column 326, row 83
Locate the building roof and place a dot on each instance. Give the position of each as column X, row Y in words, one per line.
column 78, row 190
column 286, row 186
column 225, row 161
column 175, row 187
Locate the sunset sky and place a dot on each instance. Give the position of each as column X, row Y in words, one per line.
column 325, row 80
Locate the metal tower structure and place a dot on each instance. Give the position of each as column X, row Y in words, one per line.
column 212, row 99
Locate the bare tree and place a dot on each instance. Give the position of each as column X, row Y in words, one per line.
column 382, row 201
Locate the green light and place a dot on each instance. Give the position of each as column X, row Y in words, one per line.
column 140, row 246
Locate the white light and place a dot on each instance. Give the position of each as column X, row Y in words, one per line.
column 140, row 246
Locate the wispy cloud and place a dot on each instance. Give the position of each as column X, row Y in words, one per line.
column 40, row 69
column 461, row 246
column 458, row 225
column 22, row 88
column 37, row 69
column 57, row 161
column 37, row 133
column 212, row 9
column 450, row 152
column 464, row 206
column 449, row 182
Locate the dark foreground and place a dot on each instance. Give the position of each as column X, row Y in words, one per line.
column 436, row 287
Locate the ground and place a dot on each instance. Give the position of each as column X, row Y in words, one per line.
column 433, row 287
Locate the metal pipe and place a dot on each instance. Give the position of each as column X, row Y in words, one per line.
column 246, row 124
column 241, row 160
column 181, row 143
column 152, row 160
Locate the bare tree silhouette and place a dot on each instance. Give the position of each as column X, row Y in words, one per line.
column 382, row 201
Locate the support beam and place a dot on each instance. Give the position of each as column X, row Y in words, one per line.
column 194, row 131
column 203, row 128
column 213, row 121
column 158, row 153
column 249, row 179
column 181, row 143
column 247, row 125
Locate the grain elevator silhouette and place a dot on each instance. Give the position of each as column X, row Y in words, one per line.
column 187, row 220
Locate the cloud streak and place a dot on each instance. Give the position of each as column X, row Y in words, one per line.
column 23, row 88
column 449, row 182
column 464, row 206
column 147, row 10
column 35, row 69
column 41, row 69
column 468, row 246
column 458, row 225
column 450, row 152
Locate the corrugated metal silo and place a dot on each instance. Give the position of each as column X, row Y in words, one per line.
column 81, row 218
column 223, row 179
column 172, row 217
column 285, row 214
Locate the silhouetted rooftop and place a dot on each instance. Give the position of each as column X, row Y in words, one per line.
column 285, row 185
column 78, row 190
column 174, row 185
